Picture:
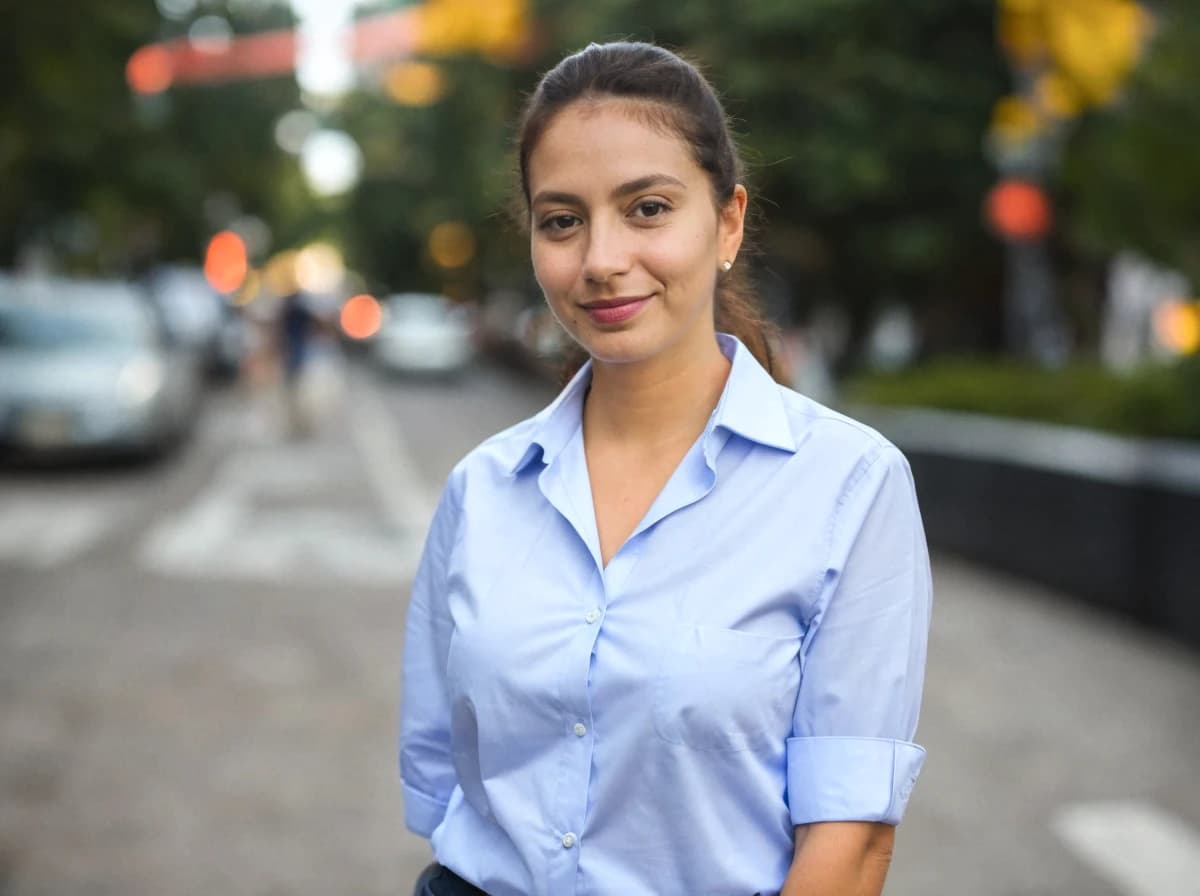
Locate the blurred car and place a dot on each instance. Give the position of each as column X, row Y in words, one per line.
column 195, row 316
column 423, row 334
column 86, row 369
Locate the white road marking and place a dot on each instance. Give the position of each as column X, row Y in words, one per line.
column 266, row 513
column 1139, row 849
column 46, row 532
column 295, row 547
column 398, row 484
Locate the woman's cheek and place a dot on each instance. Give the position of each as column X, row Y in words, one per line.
column 555, row 275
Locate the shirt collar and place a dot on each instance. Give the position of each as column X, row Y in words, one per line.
column 751, row 405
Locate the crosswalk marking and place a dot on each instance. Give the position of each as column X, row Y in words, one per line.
column 1138, row 848
column 232, row 529
column 235, row 527
column 388, row 462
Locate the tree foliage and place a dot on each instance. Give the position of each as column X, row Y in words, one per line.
column 862, row 121
column 107, row 181
column 1131, row 171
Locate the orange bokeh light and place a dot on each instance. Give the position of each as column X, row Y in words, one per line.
column 361, row 317
column 225, row 263
column 1019, row 210
column 150, row 70
column 1177, row 326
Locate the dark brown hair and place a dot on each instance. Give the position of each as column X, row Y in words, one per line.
column 678, row 97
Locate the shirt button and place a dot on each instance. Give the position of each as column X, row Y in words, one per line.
column 568, row 841
column 592, row 616
column 580, row 729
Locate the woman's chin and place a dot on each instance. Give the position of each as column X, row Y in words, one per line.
column 625, row 346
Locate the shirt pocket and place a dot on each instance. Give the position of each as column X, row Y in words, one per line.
column 721, row 690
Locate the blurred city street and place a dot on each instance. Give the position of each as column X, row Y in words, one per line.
column 199, row 669
column 270, row 268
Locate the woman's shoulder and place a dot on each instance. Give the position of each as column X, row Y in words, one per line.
column 823, row 428
column 498, row 457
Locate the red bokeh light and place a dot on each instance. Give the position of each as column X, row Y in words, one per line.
column 150, row 70
column 225, row 263
column 361, row 317
column 1019, row 210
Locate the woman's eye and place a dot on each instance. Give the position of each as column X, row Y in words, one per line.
column 651, row 208
column 559, row 223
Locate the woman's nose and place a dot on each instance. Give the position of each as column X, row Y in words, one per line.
column 609, row 253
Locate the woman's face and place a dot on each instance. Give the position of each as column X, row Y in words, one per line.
column 625, row 237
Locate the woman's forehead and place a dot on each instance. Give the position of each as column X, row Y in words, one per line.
column 608, row 140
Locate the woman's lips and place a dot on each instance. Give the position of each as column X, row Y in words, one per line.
column 615, row 311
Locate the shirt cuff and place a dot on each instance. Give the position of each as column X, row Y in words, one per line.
column 850, row 778
column 422, row 814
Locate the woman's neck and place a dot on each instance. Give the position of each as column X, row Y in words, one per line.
column 655, row 403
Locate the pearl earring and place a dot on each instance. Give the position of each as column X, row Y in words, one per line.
column 726, row 265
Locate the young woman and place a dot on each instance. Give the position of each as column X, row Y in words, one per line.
column 668, row 636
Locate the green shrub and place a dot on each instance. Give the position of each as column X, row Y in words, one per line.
column 1154, row 402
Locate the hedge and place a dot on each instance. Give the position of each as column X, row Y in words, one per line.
column 1152, row 402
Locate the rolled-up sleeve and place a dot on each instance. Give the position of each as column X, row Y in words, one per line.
column 426, row 766
column 851, row 755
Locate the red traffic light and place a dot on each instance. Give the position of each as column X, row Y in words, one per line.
column 1019, row 210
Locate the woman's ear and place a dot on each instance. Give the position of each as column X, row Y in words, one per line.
column 731, row 224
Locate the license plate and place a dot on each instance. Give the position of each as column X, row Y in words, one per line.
column 45, row 429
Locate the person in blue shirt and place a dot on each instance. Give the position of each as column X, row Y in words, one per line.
column 668, row 636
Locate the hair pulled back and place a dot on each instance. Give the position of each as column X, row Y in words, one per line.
column 678, row 97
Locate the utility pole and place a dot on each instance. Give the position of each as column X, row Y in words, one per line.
column 1065, row 55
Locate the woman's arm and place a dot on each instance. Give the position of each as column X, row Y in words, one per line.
column 426, row 763
column 840, row 858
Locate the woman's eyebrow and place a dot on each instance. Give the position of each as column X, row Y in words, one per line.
column 634, row 186
column 645, row 183
column 556, row 198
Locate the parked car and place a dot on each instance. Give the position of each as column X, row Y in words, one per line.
column 86, row 369
column 424, row 334
column 195, row 316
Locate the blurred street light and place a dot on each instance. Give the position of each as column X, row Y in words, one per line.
column 451, row 245
column 1177, row 326
column 361, row 316
column 415, row 83
column 293, row 128
column 319, row 268
column 332, row 162
column 324, row 68
column 225, row 262
column 1018, row 210
column 150, row 70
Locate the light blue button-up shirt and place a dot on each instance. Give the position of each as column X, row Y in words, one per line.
column 751, row 658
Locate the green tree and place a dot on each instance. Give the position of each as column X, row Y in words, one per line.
column 1129, row 172
column 109, row 181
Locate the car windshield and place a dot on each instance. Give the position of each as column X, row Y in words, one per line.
column 100, row 321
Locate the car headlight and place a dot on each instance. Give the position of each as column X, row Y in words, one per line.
column 139, row 380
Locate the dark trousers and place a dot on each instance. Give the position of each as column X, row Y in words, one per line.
column 438, row 881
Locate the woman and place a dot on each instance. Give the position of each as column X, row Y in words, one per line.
column 668, row 636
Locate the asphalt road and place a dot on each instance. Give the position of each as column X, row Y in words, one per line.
column 199, row 669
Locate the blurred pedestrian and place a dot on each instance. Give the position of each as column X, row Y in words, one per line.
column 668, row 636
column 307, row 357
